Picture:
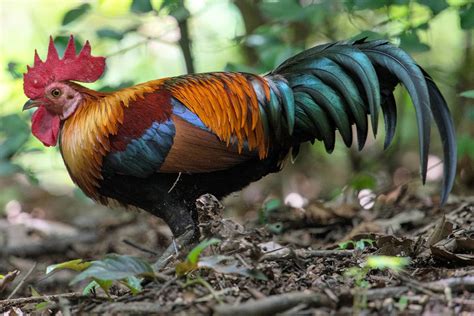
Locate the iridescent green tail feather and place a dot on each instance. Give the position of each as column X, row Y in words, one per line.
column 332, row 87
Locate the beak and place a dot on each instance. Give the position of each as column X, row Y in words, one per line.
column 30, row 104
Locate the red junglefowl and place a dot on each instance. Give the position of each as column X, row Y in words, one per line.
column 160, row 145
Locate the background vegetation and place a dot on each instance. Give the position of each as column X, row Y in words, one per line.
column 145, row 40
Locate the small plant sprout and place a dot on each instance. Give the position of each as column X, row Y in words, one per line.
column 126, row 270
column 359, row 275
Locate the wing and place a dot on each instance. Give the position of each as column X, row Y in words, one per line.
column 160, row 134
column 228, row 104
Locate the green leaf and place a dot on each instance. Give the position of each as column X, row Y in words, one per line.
column 362, row 243
column 170, row 5
column 109, row 33
column 402, row 303
column 467, row 94
column 105, row 285
column 76, row 13
column 466, row 15
column 141, row 6
column 12, row 68
column 410, row 41
column 116, row 267
column 387, row 262
column 191, row 262
column 90, row 288
column 291, row 11
column 7, row 168
column 363, row 181
column 195, row 253
column 370, row 35
column 345, row 244
column 42, row 306
column 436, row 6
column 185, row 267
column 34, row 292
column 76, row 265
column 371, row 4
column 275, row 228
column 14, row 133
column 269, row 207
column 134, row 284
column 465, row 146
column 110, row 88
column 61, row 43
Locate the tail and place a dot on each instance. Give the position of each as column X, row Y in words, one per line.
column 334, row 86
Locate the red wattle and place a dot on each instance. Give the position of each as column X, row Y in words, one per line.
column 45, row 126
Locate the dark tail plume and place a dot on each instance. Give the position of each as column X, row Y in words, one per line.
column 331, row 87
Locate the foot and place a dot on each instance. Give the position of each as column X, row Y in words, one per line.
column 182, row 241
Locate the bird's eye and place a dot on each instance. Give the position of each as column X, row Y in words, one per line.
column 55, row 92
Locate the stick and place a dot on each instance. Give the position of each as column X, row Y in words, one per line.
column 48, row 246
column 7, row 304
column 455, row 284
column 132, row 244
column 20, row 284
column 274, row 304
column 134, row 308
column 285, row 253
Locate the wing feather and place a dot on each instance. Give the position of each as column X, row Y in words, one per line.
column 226, row 104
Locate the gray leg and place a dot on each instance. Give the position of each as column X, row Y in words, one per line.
column 184, row 229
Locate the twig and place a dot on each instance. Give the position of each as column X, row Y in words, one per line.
column 126, row 49
column 206, row 284
column 377, row 294
column 132, row 244
column 7, row 304
column 20, row 284
column 455, row 284
column 125, row 308
column 182, row 16
column 448, row 217
column 165, row 286
column 222, row 292
column 323, row 253
column 413, row 174
column 285, row 253
column 418, row 286
column 48, row 246
column 274, row 304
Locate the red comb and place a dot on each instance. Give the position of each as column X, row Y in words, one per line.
column 83, row 67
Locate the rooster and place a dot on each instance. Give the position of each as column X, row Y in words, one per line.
column 159, row 145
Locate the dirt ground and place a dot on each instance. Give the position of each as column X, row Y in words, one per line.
column 277, row 259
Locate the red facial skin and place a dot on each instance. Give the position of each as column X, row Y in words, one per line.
column 59, row 102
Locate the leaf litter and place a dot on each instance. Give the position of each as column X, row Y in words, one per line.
column 403, row 255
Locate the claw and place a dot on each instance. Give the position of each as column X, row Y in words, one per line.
column 183, row 240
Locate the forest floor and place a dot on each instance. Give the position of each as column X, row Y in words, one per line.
column 403, row 256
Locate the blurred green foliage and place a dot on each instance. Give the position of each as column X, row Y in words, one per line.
column 148, row 39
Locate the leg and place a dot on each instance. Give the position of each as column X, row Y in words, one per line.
column 185, row 230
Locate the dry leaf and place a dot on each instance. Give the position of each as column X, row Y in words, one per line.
column 442, row 230
column 458, row 250
column 393, row 246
